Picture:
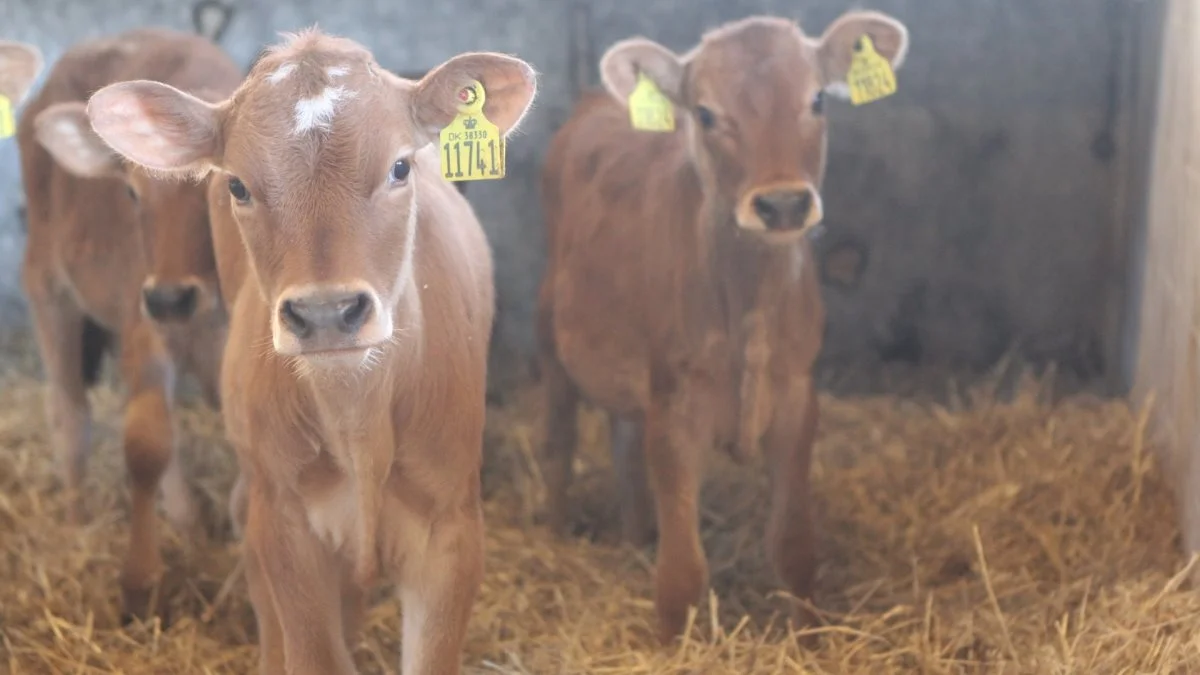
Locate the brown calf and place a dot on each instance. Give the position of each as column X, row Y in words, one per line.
column 359, row 285
column 681, row 295
column 20, row 64
column 115, row 253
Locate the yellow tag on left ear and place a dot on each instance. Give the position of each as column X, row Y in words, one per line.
column 870, row 77
column 472, row 147
column 8, row 125
column 649, row 108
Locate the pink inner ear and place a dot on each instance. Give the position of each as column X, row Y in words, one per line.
column 124, row 123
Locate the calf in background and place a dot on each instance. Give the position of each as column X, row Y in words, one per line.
column 118, row 260
column 681, row 294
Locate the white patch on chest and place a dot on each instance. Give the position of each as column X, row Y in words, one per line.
column 281, row 73
column 333, row 516
column 336, row 71
column 317, row 112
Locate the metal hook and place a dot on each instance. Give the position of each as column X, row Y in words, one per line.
column 225, row 14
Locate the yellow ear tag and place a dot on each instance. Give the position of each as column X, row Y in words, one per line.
column 870, row 77
column 649, row 108
column 472, row 147
column 8, row 126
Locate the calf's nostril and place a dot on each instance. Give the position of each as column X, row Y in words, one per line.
column 170, row 302
column 354, row 312
column 185, row 305
column 803, row 204
column 292, row 319
column 765, row 210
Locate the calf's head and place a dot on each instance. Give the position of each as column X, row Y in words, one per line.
column 20, row 64
column 319, row 150
column 754, row 93
column 172, row 216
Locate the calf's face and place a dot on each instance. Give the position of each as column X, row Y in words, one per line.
column 754, row 92
column 20, row 64
column 172, row 216
column 319, row 152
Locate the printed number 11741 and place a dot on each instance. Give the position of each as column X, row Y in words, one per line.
column 473, row 159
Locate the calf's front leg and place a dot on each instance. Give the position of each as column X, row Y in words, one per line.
column 149, row 439
column 59, row 329
column 676, row 440
column 790, row 537
column 295, row 587
column 437, row 591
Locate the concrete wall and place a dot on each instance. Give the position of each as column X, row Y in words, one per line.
column 981, row 195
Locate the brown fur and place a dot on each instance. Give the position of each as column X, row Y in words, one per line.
column 360, row 448
column 675, row 302
column 89, row 253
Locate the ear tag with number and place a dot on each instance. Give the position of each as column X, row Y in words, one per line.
column 8, row 125
column 870, row 77
column 649, row 108
column 472, row 147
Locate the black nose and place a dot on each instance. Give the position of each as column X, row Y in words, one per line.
column 783, row 209
column 167, row 302
column 344, row 312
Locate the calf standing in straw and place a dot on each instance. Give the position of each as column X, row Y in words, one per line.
column 359, row 284
column 681, row 294
column 115, row 253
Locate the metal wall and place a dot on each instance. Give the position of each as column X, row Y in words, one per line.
column 982, row 197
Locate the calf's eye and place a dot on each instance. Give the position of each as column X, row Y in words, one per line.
column 818, row 104
column 238, row 190
column 400, row 171
column 706, row 117
column 132, row 193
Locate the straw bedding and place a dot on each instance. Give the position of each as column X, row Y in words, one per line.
column 1029, row 536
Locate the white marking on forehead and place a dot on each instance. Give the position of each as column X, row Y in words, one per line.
column 317, row 113
column 281, row 73
column 838, row 89
column 336, row 71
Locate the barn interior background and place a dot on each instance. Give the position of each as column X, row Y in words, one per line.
column 980, row 208
column 1029, row 188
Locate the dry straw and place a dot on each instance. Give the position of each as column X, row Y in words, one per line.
column 1024, row 537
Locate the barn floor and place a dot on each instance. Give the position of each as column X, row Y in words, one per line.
column 1022, row 537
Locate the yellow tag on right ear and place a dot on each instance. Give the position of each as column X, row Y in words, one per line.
column 472, row 147
column 8, row 125
column 870, row 77
column 649, row 108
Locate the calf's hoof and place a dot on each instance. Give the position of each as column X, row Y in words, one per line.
column 141, row 604
column 676, row 594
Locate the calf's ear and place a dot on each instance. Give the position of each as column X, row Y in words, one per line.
column 64, row 130
column 837, row 45
column 509, row 85
column 158, row 126
column 20, row 65
column 621, row 64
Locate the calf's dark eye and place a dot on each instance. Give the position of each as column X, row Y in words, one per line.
column 818, row 104
column 132, row 193
column 706, row 117
column 238, row 190
column 400, row 171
